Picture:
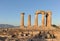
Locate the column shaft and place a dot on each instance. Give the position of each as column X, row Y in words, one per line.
column 36, row 20
column 46, row 19
column 49, row 19
column 29, row 20
column 43, row 20
column 22, row 19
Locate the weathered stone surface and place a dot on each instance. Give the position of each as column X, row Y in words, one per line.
column 49, row 13
column 36, row 20
column 29, row 20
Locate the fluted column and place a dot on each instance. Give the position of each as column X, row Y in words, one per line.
column 49, row 18
column 36, row 20
column 22, row 20
column 29, row 20
column 46, row 19
column 43, row 20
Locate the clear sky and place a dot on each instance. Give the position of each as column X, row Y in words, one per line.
column 10, row 10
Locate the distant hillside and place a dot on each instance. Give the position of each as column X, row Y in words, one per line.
column 5, row 25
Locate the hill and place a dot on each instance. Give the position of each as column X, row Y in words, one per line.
column 6, row 25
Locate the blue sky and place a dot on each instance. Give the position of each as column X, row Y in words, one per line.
column 10, row 10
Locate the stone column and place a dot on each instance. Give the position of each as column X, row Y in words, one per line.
column 49, row 18
column 29, row 20
column 46, row 18
column 36, row 20
column 22, row 20
column 43, row 19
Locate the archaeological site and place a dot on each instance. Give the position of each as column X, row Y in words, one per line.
column 44, row 32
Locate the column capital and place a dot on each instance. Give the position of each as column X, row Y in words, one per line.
column 42, row 12
column 22, row 13
column 49, row 12
column 29, row 15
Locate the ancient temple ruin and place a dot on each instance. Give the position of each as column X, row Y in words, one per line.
column 45, row 14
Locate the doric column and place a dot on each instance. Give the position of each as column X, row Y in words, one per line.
column 22, row 19
column 29, row 20
column 49, row 18
column 46, row 18
column 43, row 20
column 36, row 20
